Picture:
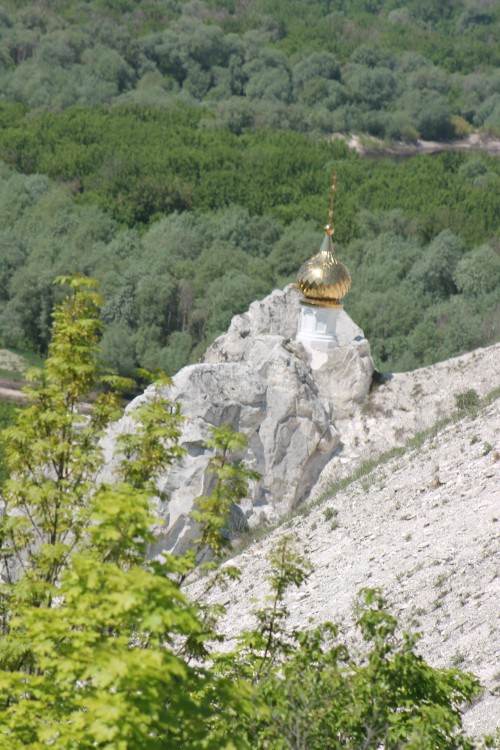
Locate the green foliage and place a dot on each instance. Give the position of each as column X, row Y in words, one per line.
column 435, row 269
column 212, row 513
column 291, row 65
column 153, row 444
column 49, row 432
column 142, row 163
column 318, row 692
column 174, row 286
column 330, row 513
column 478, row 272
column 95, row 648
column 7, row 417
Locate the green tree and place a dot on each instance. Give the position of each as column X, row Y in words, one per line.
column 118, row 349
column 7, row 417
column 429, row 112
column 373, row 87
column 96, row 640
column 177, row 352
column 298, row 242
column 318, row 65
column 478, row 272
column 435, row 269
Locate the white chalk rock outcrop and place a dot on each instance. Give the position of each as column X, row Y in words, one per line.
column 259, row 380
column 343, row 375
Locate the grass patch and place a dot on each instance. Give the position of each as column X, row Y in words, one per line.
column 14, row 375
column 467, row 401
column 32, row 358
column 487, row 448
column 330, row 513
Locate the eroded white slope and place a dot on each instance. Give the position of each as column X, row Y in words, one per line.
column 425, row 528
column 407, row 403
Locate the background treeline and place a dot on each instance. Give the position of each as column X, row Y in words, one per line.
column 179, row 152
column 421, row 291
column 396, row 69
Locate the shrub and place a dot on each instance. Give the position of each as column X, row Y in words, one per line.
column 467, row 400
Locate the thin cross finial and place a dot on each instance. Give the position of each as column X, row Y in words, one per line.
column 329, row 227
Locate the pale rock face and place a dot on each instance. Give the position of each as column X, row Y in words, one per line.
column 276, row 315
column 259, row 380
column 405, row 534
column 342, row 374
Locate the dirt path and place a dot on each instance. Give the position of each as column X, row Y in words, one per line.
column 10, row 390
column 375, row 147
column 11, row 394
column 10, row 387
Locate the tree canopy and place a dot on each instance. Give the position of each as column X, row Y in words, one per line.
column 170, row 287
column 381, row 67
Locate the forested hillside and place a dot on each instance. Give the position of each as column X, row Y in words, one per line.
column 387, row 67
column 180, row 152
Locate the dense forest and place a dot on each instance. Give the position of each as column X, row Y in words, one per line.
column 181, row 153
column 380, row 66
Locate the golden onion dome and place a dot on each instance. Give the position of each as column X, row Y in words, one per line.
column 323, row 279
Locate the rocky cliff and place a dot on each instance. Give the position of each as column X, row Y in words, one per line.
column 284, row 399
